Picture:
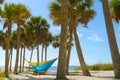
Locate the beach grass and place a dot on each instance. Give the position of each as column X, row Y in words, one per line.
column 31, row 70
column 98, row 67
column 2, row 75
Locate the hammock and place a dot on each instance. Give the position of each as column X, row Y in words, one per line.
column 42, row 66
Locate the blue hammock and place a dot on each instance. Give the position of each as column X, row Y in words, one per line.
column 44, row 66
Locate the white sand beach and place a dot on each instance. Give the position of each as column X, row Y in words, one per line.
column 74, row 75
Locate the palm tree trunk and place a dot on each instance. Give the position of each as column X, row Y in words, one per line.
column 20, row 60
column 17, row 54
column 68, row 60
column 61, row 71
column 10, row 59
column 69, row 52
column 31, row 58
column 23, row 60
column 45, row 53
column 111, row 38
column 38, row 54
column 7, row 52
column 80, row 55
column 1, row 1
column 42, row 52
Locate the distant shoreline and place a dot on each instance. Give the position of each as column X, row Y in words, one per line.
column 96, row 67
column 54, row 68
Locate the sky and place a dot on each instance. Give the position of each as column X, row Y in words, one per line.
column 93, row 40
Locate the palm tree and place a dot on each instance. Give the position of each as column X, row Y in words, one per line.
column 29, row 39
column 38, row 27
column 12, row 45
column 2, row 39
column 112, row 40
column 44, row 34
column 8, row 16
column 42, row 52
column 86, row 15
column 61, row 71
column 115, row 9
column 21, row 14
column 32, row 48
column 56, row 44
column 22, row 45
column 47, row 42
column 21, row 54
column 56, row 41
column 10, row 59
column 23, row 59
column 1, row 1
column 31, row 31
column 78, row 14
column 69, row 47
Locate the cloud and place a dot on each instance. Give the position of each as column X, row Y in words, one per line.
column 79, row 34
column 95, row 38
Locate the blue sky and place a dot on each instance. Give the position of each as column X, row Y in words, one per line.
column 93, row 40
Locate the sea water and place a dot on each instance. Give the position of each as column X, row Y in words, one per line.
column 70, row 67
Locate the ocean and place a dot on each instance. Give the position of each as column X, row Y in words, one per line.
column 70, row 67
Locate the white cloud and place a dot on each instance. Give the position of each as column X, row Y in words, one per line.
column 79, row 34
column 95, row 38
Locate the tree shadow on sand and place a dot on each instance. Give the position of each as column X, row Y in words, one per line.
column 107, row 77
column 29, row 76
column 78, row 73
column 72, row 75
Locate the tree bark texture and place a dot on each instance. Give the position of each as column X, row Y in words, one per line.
column 111, row 38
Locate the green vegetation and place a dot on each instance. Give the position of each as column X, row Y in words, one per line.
column 31, row 70
column 98, row 67
column 33, row 31
column 2, row 78
column 2, row 75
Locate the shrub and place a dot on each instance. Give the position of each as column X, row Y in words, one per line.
column 77, row 68
column 2, row 75
column 98, row 67
column 107, row 67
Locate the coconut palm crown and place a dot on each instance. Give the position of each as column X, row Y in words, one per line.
column 80, row 8
column 79, row 12
column 115, row 9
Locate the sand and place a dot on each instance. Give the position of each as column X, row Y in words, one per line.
column 74, row 75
